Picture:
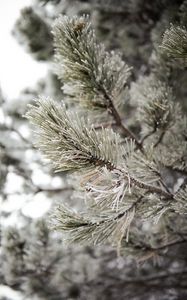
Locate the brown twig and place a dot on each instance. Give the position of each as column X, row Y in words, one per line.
column 113, row 111
column 171, row 244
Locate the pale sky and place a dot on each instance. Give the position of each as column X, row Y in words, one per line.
column 17, row 68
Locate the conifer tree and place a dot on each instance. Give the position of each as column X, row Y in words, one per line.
column 122, row 176
column 117, row 130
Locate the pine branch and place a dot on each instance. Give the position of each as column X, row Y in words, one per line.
column 157, row 110
column 174, row 44
column 80, row 228
column 107, row 225
column 92, row 76
column 96, row 78
column 72, row 146
column 180, row 203
column 89, row 72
